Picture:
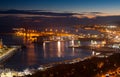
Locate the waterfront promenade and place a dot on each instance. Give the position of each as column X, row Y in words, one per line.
column 8, row 52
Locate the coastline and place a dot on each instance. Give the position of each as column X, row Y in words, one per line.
column 10, row 52
column 90, row 67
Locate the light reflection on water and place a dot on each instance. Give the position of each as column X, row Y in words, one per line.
column 73, row 51
column 59, row 48
column 31, row 55
column 44, row 49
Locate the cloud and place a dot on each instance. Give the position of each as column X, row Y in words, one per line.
column 47, row 13
column 93, row 12
column 89, row 15
column 19, row 15
column 35, row 13
column 30, row 15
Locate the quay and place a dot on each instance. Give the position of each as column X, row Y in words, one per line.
column 7, row 52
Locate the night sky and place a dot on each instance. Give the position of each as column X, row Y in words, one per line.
column 110, row 7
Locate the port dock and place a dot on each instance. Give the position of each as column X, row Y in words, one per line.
column 6, row 53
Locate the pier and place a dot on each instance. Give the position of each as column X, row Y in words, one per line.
column 7, row 52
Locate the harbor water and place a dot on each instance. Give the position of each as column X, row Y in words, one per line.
column 35, row 55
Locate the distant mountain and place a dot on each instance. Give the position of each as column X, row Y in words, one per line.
column 7, row 22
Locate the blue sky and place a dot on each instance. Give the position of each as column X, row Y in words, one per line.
column 105, row 6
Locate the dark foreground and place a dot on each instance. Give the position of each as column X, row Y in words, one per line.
column 94, row 67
